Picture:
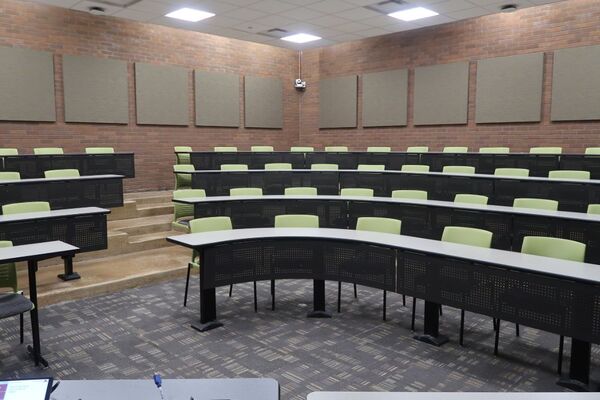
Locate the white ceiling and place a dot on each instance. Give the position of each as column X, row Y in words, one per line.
column 335, row 21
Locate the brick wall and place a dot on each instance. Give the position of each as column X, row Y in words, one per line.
column 570, row 23
column 64, row 31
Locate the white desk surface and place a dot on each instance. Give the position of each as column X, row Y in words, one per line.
column 67, row 212
column 450, row 396
column 35, row 251
column 73, row 178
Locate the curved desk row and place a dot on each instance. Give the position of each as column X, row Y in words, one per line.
column 83, row 191
column 553, row 295
column 572, row 195
column 485, row 163
column 422, row 218
column 33, row 165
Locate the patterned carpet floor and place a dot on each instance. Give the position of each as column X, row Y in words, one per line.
column 132, row 334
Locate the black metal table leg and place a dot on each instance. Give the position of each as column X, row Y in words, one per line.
column 36, row 350
column 69, row 274
column 208, row 303
column 319, row 300
column 579, row 369
column 431, row 326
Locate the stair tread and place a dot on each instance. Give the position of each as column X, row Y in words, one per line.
column 140, row 221
column 152, row 236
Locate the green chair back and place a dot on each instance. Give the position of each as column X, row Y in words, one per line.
column 417, row 149
column 371, row 167
column 8, row 152
column 458, row 169
column 495, row 150
column 569, row 174
column 184, row 211
column 379, row 224
column 455, row 149
column 225, row 149
column 471, row 199
column 61, row 173
column 253, row 191
column 99, row 150
column 593, row 209
column 362, row 192
column 183, row 158
column 538, row 204
column 469, row 236
column 261, row 148
column 545, row 150
column 409, row 194
column 280, row 165
column 331, row 167
column 300, row 191
column 48, row 150
column 414, row 168
column 379, row 149
column 338, row 149
column 302, row 149
column 183, row 180
column 511, row 172
column 234, row 167
column 9, row 176
column 208, row 224
column 589, row 150
column 8, row 272
column 25, row 207
column 563, row 249
column 296, row 221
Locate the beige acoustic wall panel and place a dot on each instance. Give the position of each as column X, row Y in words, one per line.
column 217, row 99
column 263, row 102
column 337, row 102
column 384, row 98
column 26, row 85
column 576, row 84
column 161, row 95
column 509, row 89
column 441, row 94
column 95, row 90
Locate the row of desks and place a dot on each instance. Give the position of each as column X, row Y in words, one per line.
column 572, row 195
column 538, row 164
column 34, row 165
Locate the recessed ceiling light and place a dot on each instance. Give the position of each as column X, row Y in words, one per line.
column 413, row 14
column 190, row 14
column 508, row 8
column 95, row 10
column 301, row 38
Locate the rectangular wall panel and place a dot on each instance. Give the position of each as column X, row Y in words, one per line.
column 384, row 97
column 509, row 89
column 576, row 84
column 95, row 90
column 26, row 85
column 263, row 103
column 441, row 94
column 217, row 99
column 161, row 95
column 338, row 102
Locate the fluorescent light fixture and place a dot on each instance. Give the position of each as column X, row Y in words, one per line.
column 413, row 14
column 301, row 38
column 190, row 14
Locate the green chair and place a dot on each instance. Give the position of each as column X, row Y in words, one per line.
column 495, row 150
column 48, row 150
column 281, row 165
column 261, row 148
column 379, row 149
column 99, row 150
column 9, row 176
column 545, row 150
column 516, row 172
column 183, row 154
column 300, row 191
column 593, row 209
column 234, row 167
column 25, row 207
column 370, row 167
column 458, row 169
column 329, row 167
column 225, row 149
column 336, row 149
column 302, row 149
column 380, row 225
column 414, row 168
column 569, row 174
column 455, row 149
column 8, row 279
column 537, row 204
column 358, row 192
column 409, row 194
column 588, row 150
column 8, row 152
column 61, row 173
column 183, row 180
column 471, row 199
column 184, row 213
column 417, row 149
column 248, row 191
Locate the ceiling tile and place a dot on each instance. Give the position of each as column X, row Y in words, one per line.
column 328, row 20
column 85, row 6
column 468, row 13
column 301, row 14
column 301, row 2
column 372, row 32
column 437, row 20
column 357, row 13
column 274, row 21
column 135, row 15
column 220, row 20
column 250, row 27
column 244, row 14
column 272, row 6
column 331, row 6
column 450, row 5
column 351, row 27
column 153, row 7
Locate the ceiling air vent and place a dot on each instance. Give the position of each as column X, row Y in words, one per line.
column 387, row 6
column 277, row 33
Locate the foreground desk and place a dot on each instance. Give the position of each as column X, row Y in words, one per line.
column 174, row 389
column 449, row 396
column 33, row 165
column 83, row 191
column 33, row 253
column 553, row 295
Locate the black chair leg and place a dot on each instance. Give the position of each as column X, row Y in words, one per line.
column 384, row 304
column 414, row 308
column 404, row 300
column 355, row 292
column 273, row 295
column 21, row 327
column 255, row 298
column 462, row 326
column 230, row 289
column 561, row 346
column 517, row 330
column 339, row 296
column 440, row 310
column 497, row 338
column 187, row 285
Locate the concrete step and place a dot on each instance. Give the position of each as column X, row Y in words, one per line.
column 154, row 197
column 150, row 241
column 129, row 210
column 143, row 225
column 150, row 210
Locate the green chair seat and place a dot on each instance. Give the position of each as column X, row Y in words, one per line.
column 296, row 221
column 283, row 165
column 8, row 152
column 414, row 168
column 261, row 148
column 329, row 167
column 569, row 174
column 455, row 149
column 253, row 191
column 538, row 204
column 9, row 176
column 183, row 180
column 183, row 158
column 471, row 199
column 458, row 169
column 99, row 150
column 409, row 194
column 234, row 167
column 495, row 150
column 25, row 207
column 360, row 192
column 379, row 149
column 336, row 149
column 300, row 191
column 302, row 149
column 589, row 150
column 61, row 173
column 545, row 150
column 417, row 149
column 47, row 150
column 225, row 149
column 370, row 167
column 593, row 209
column 516, row 172
column 183, row 213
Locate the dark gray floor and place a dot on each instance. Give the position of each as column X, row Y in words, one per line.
column 134, row 333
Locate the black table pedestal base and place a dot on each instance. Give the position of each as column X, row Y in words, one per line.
column 575, row 385
column 318, row 314
column 39, row 359
column 207, row 326
column 69, row 277
column 434, row 340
